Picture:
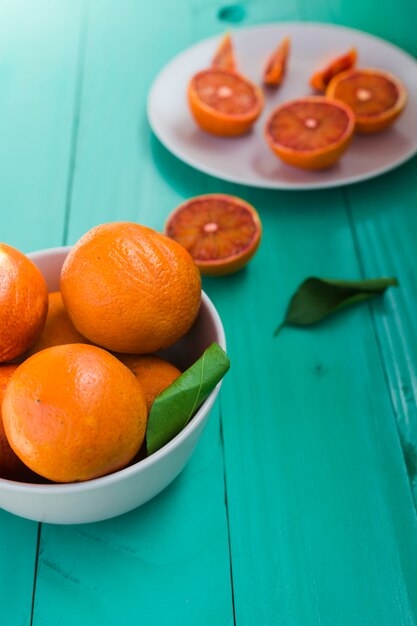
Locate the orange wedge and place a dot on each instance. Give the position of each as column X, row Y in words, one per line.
column 376, row 97
column 223, row 102
column 224, row 57
column 221, row 232
column 311, row 132
column 276, row 65
column 319, row 80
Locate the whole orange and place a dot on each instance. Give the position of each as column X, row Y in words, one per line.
column 154, row 373
column 58, row 329
column 74, row 412
column 130, row 289
column 11, row 467
column 23, row 302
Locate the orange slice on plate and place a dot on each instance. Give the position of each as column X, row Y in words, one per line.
column 224, row 57
column 319, row 80
column 276, row 65
column 311, row 133
column 376, row 97
column 224, row 103
column 221, row 232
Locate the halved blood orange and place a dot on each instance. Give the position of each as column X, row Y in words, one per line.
column 376, row 97
column 221, row 232
column 224, row 57
column 311, row 132
column 276, row 65
column 224, row 103
column 319, row 80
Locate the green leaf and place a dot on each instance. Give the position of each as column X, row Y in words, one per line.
column 175, row 406
column 316, row 298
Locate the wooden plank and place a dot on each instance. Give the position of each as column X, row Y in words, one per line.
column 38, row 69
column 169, row 560
column 384, row 218
column 319, row 503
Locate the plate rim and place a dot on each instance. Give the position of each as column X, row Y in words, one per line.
column 273, row 185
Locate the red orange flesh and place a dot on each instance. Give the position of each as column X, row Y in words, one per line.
column 221, row 232
column 376, row 97
column 311, row 132
column 223, row 102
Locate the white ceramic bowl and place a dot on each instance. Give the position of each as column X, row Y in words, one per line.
column 122, row 491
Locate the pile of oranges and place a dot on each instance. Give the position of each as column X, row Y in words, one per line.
column 310, row 132
column 77, row 370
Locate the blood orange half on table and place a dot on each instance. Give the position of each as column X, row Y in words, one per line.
column 221, row 232
column 224, row 103
column 376, row 97
column 311, row 132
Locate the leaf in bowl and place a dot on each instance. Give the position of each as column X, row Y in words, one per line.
column 175, row 406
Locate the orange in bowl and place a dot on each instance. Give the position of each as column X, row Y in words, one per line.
column 223, row 102
column 74, row 412
column 153, row 373
column 311, row 132
column 23, row 303
column 221, row 232
column 376, row 97
column 130, row 289
column 58, row 329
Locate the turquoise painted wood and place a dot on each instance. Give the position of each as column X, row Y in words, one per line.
column 38, row 75
column 296, row 507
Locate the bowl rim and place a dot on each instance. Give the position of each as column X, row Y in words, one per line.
column 143, row 464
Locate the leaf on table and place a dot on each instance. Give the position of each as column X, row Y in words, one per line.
column 175, row 406
column 316, row 298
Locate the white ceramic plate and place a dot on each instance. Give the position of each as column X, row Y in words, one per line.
column 247, row 160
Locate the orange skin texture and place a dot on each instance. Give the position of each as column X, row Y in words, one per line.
column 276, row 65
column 319, row 80
column 58, row 329
column 224, row 57
column 11, row 467
column 216, row 122
column 368, row 124
column 130, row 289
column 316, row 159
column 74, row 412
column 237, row 238
column 23, row 303
column 153, row 373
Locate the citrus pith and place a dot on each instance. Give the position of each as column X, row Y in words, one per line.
column 376, row 97
column 311, row 133
column 224, row 103
column 221, row 232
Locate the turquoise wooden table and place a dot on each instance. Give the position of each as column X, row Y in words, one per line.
column 297, row 507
